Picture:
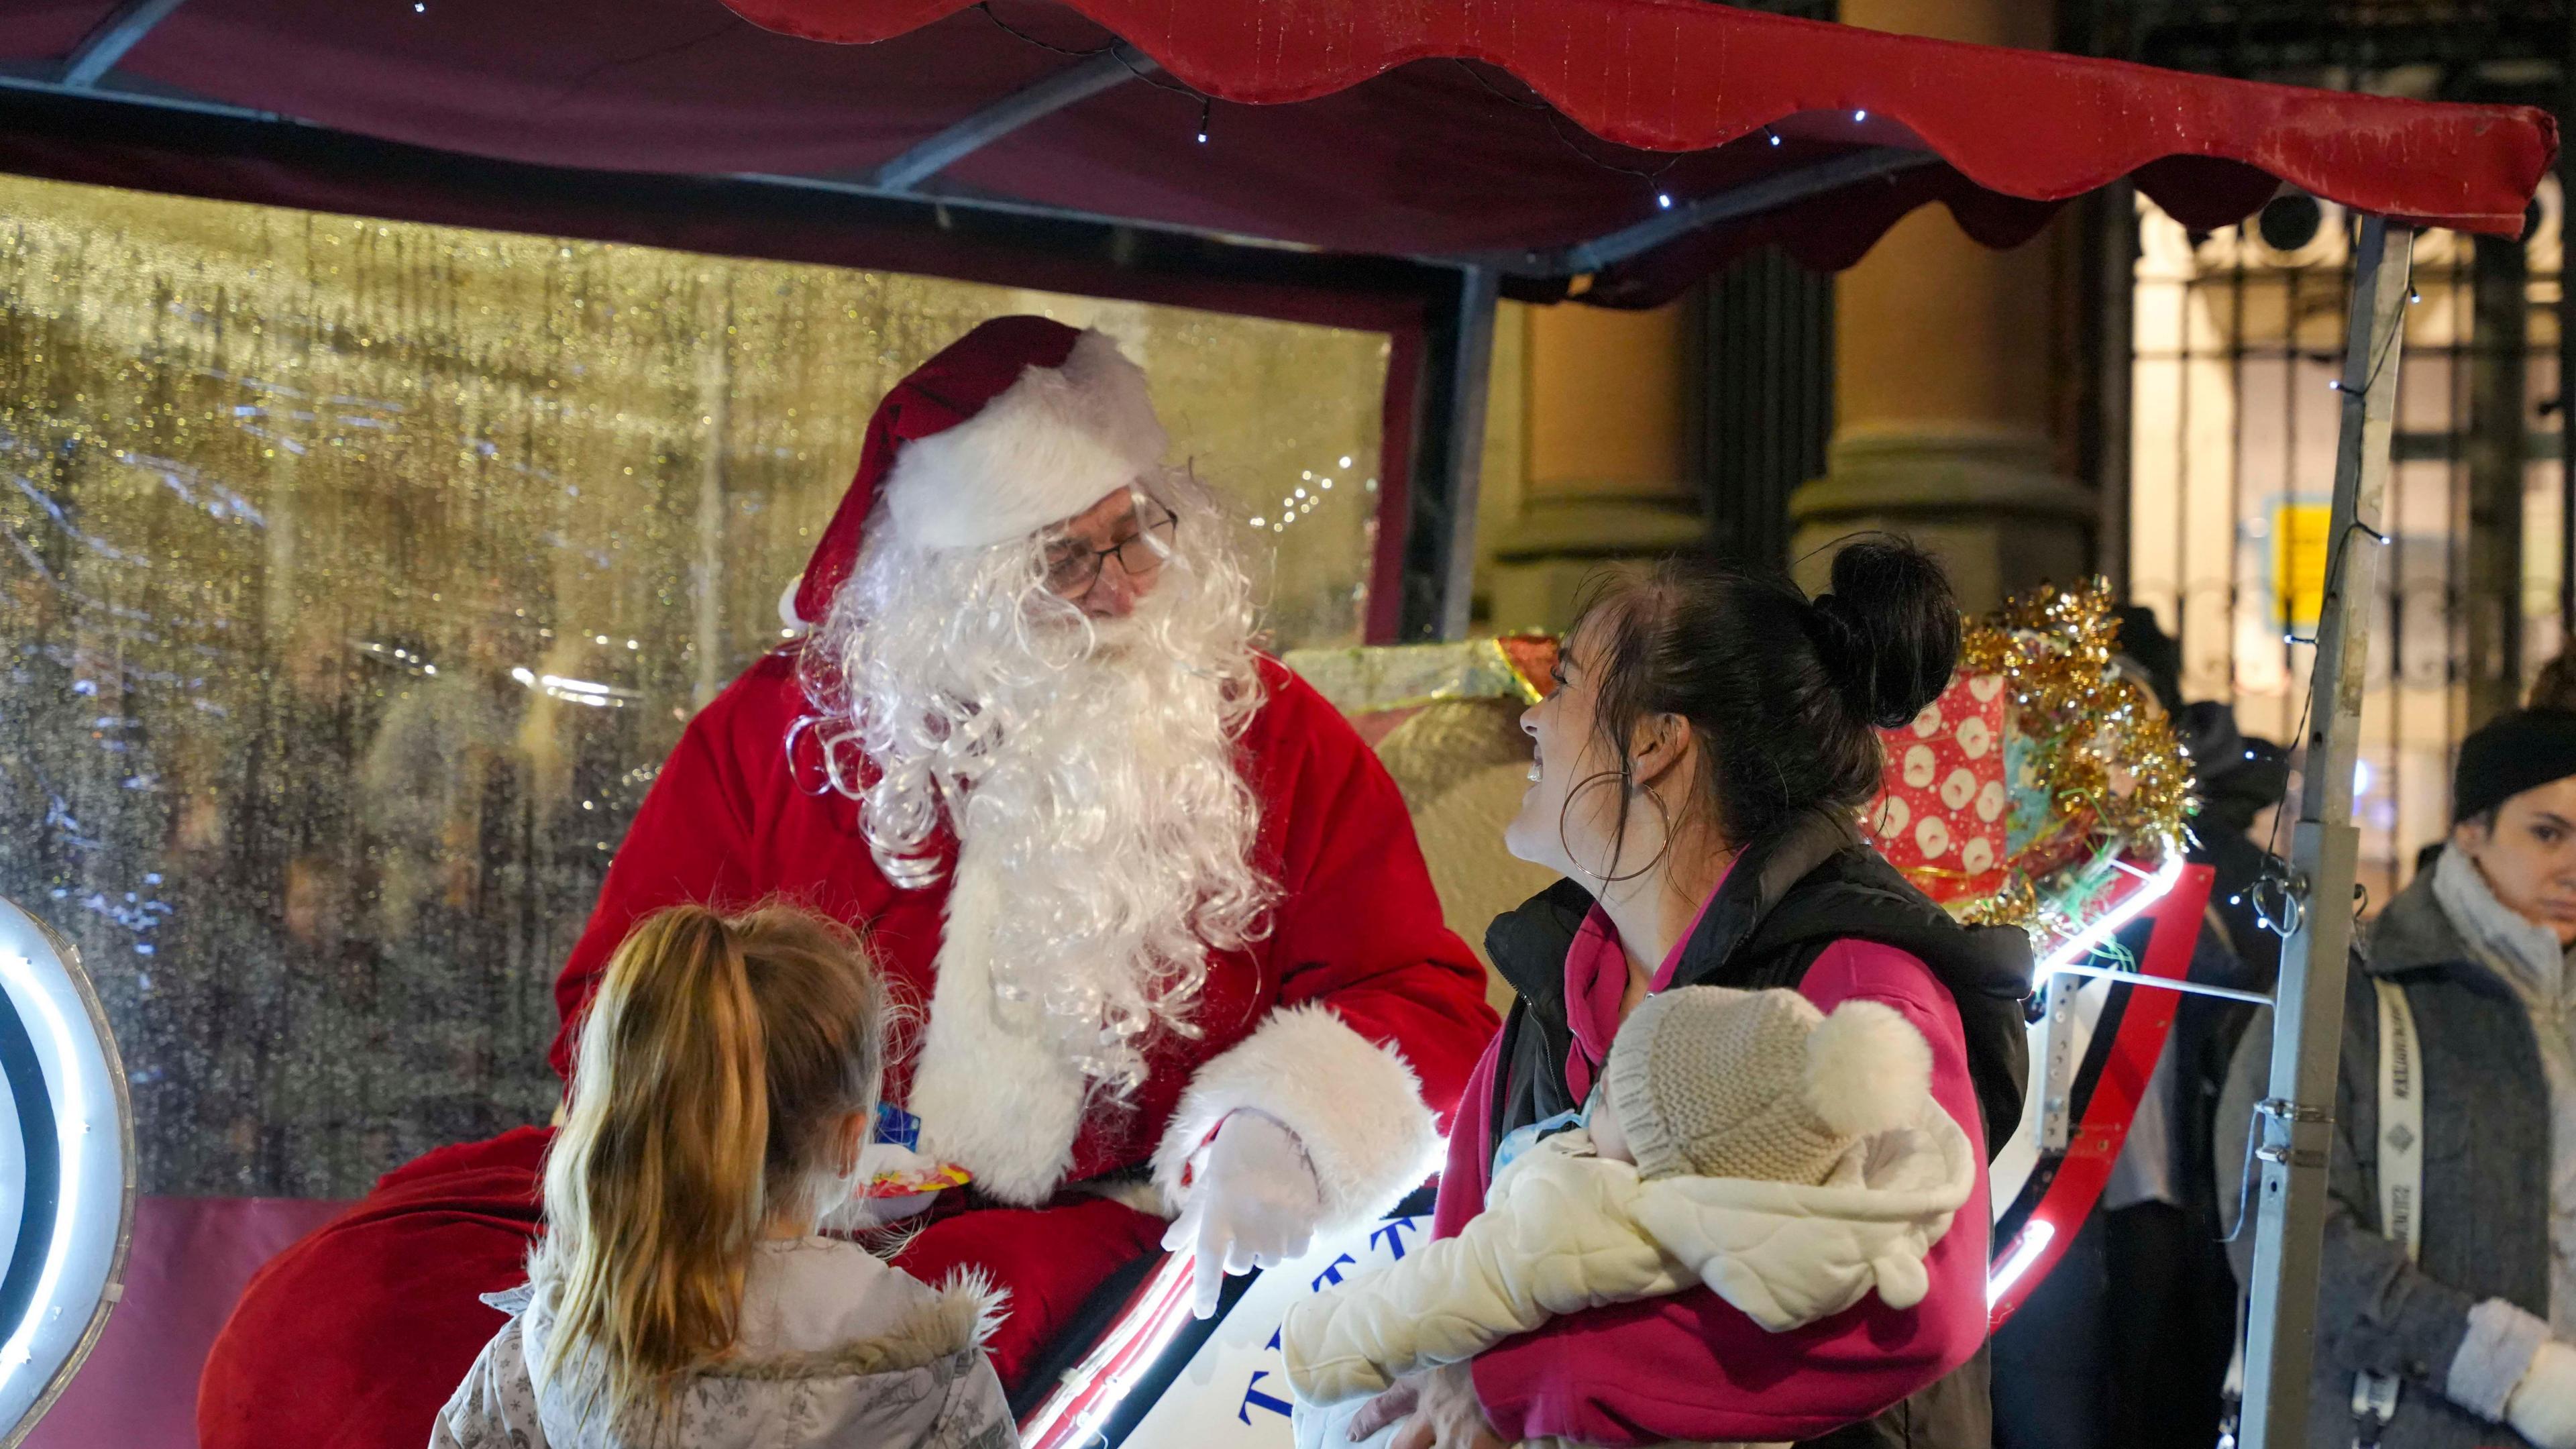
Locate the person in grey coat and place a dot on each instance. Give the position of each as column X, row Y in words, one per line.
column 2477, row 1330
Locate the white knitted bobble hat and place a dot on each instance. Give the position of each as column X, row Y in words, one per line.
column 1715, row 1082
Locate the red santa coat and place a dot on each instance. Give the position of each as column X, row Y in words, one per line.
column 1355, row 1021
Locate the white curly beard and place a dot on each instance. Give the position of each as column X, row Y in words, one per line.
column 1093, row 764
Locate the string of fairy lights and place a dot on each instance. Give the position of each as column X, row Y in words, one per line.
column 1301, row 499
column 1309, row 491
column 1558, row 124
column 1557, row 121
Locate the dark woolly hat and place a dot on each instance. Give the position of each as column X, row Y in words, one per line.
column 2514, row 752
column 2157, row 653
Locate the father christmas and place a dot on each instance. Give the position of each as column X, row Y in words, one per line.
column 1172, row 944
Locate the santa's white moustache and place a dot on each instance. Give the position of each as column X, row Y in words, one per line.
column 1091, row 765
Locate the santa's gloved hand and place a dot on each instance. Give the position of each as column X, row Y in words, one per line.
column 2543, row 1406
column 1253, row 1203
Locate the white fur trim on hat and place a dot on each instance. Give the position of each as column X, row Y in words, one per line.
column 1050, row 446
column 1355, row 1106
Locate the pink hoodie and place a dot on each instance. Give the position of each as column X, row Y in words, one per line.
column 1690, row 1366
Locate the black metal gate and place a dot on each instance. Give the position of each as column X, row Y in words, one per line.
column 2235, row 342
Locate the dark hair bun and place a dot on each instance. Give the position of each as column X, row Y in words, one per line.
column 1889, row 631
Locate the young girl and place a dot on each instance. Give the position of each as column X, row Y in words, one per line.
column 724, row 1087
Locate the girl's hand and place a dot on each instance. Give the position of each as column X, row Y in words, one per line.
column 1449, row 1416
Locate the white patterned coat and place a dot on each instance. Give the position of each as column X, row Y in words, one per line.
column 919, row 1379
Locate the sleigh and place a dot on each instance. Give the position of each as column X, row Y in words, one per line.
column 1814, row 136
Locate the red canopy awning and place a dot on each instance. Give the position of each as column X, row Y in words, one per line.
column 1635, row 141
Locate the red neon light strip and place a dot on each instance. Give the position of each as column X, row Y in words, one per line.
column 1138, row 1334
column 2144, row 1025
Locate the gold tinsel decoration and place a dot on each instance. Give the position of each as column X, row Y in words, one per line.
column 2117, row 780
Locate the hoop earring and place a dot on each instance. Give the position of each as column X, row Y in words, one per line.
column 1663, row 827
column 1663, row 824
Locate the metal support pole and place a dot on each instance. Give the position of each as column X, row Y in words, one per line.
column 1108, row 70
column 1448, row 464
column 1771, row 193
column 1478, row 294
column 2114, row 328
column 2297, row 1126
column 2160, row 983
column 109, row 40
column 2057, row 1065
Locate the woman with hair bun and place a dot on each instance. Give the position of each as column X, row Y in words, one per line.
column 1699, row 770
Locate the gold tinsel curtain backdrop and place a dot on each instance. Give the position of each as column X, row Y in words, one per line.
column 355, row 577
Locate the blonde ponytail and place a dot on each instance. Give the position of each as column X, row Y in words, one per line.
column 717, row 1059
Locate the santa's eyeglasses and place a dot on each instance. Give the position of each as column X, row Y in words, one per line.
column 1072, row 568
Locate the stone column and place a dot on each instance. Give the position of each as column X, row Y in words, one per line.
column 1588, row 453
column 1942, row 390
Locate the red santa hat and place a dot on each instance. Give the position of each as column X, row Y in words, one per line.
column 1018, row 424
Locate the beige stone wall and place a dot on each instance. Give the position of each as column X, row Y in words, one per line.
column 1944, row 400
column 1587, row 454
column 1943, row 351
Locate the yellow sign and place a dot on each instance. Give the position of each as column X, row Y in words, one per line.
column 2299, row 562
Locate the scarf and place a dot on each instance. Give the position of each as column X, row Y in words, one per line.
column 2530, row 960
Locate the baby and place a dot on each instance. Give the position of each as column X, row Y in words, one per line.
column 1791, row 1161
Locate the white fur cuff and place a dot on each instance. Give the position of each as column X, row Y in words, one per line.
column 2492, row 1357
column 1356, row 1108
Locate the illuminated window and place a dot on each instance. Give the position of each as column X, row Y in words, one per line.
column 2239, row 338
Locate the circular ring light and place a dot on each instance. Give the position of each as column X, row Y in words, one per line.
column 66, row 1169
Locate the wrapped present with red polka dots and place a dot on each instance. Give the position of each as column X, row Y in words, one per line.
column 2043, row 787
column 1943, row 813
